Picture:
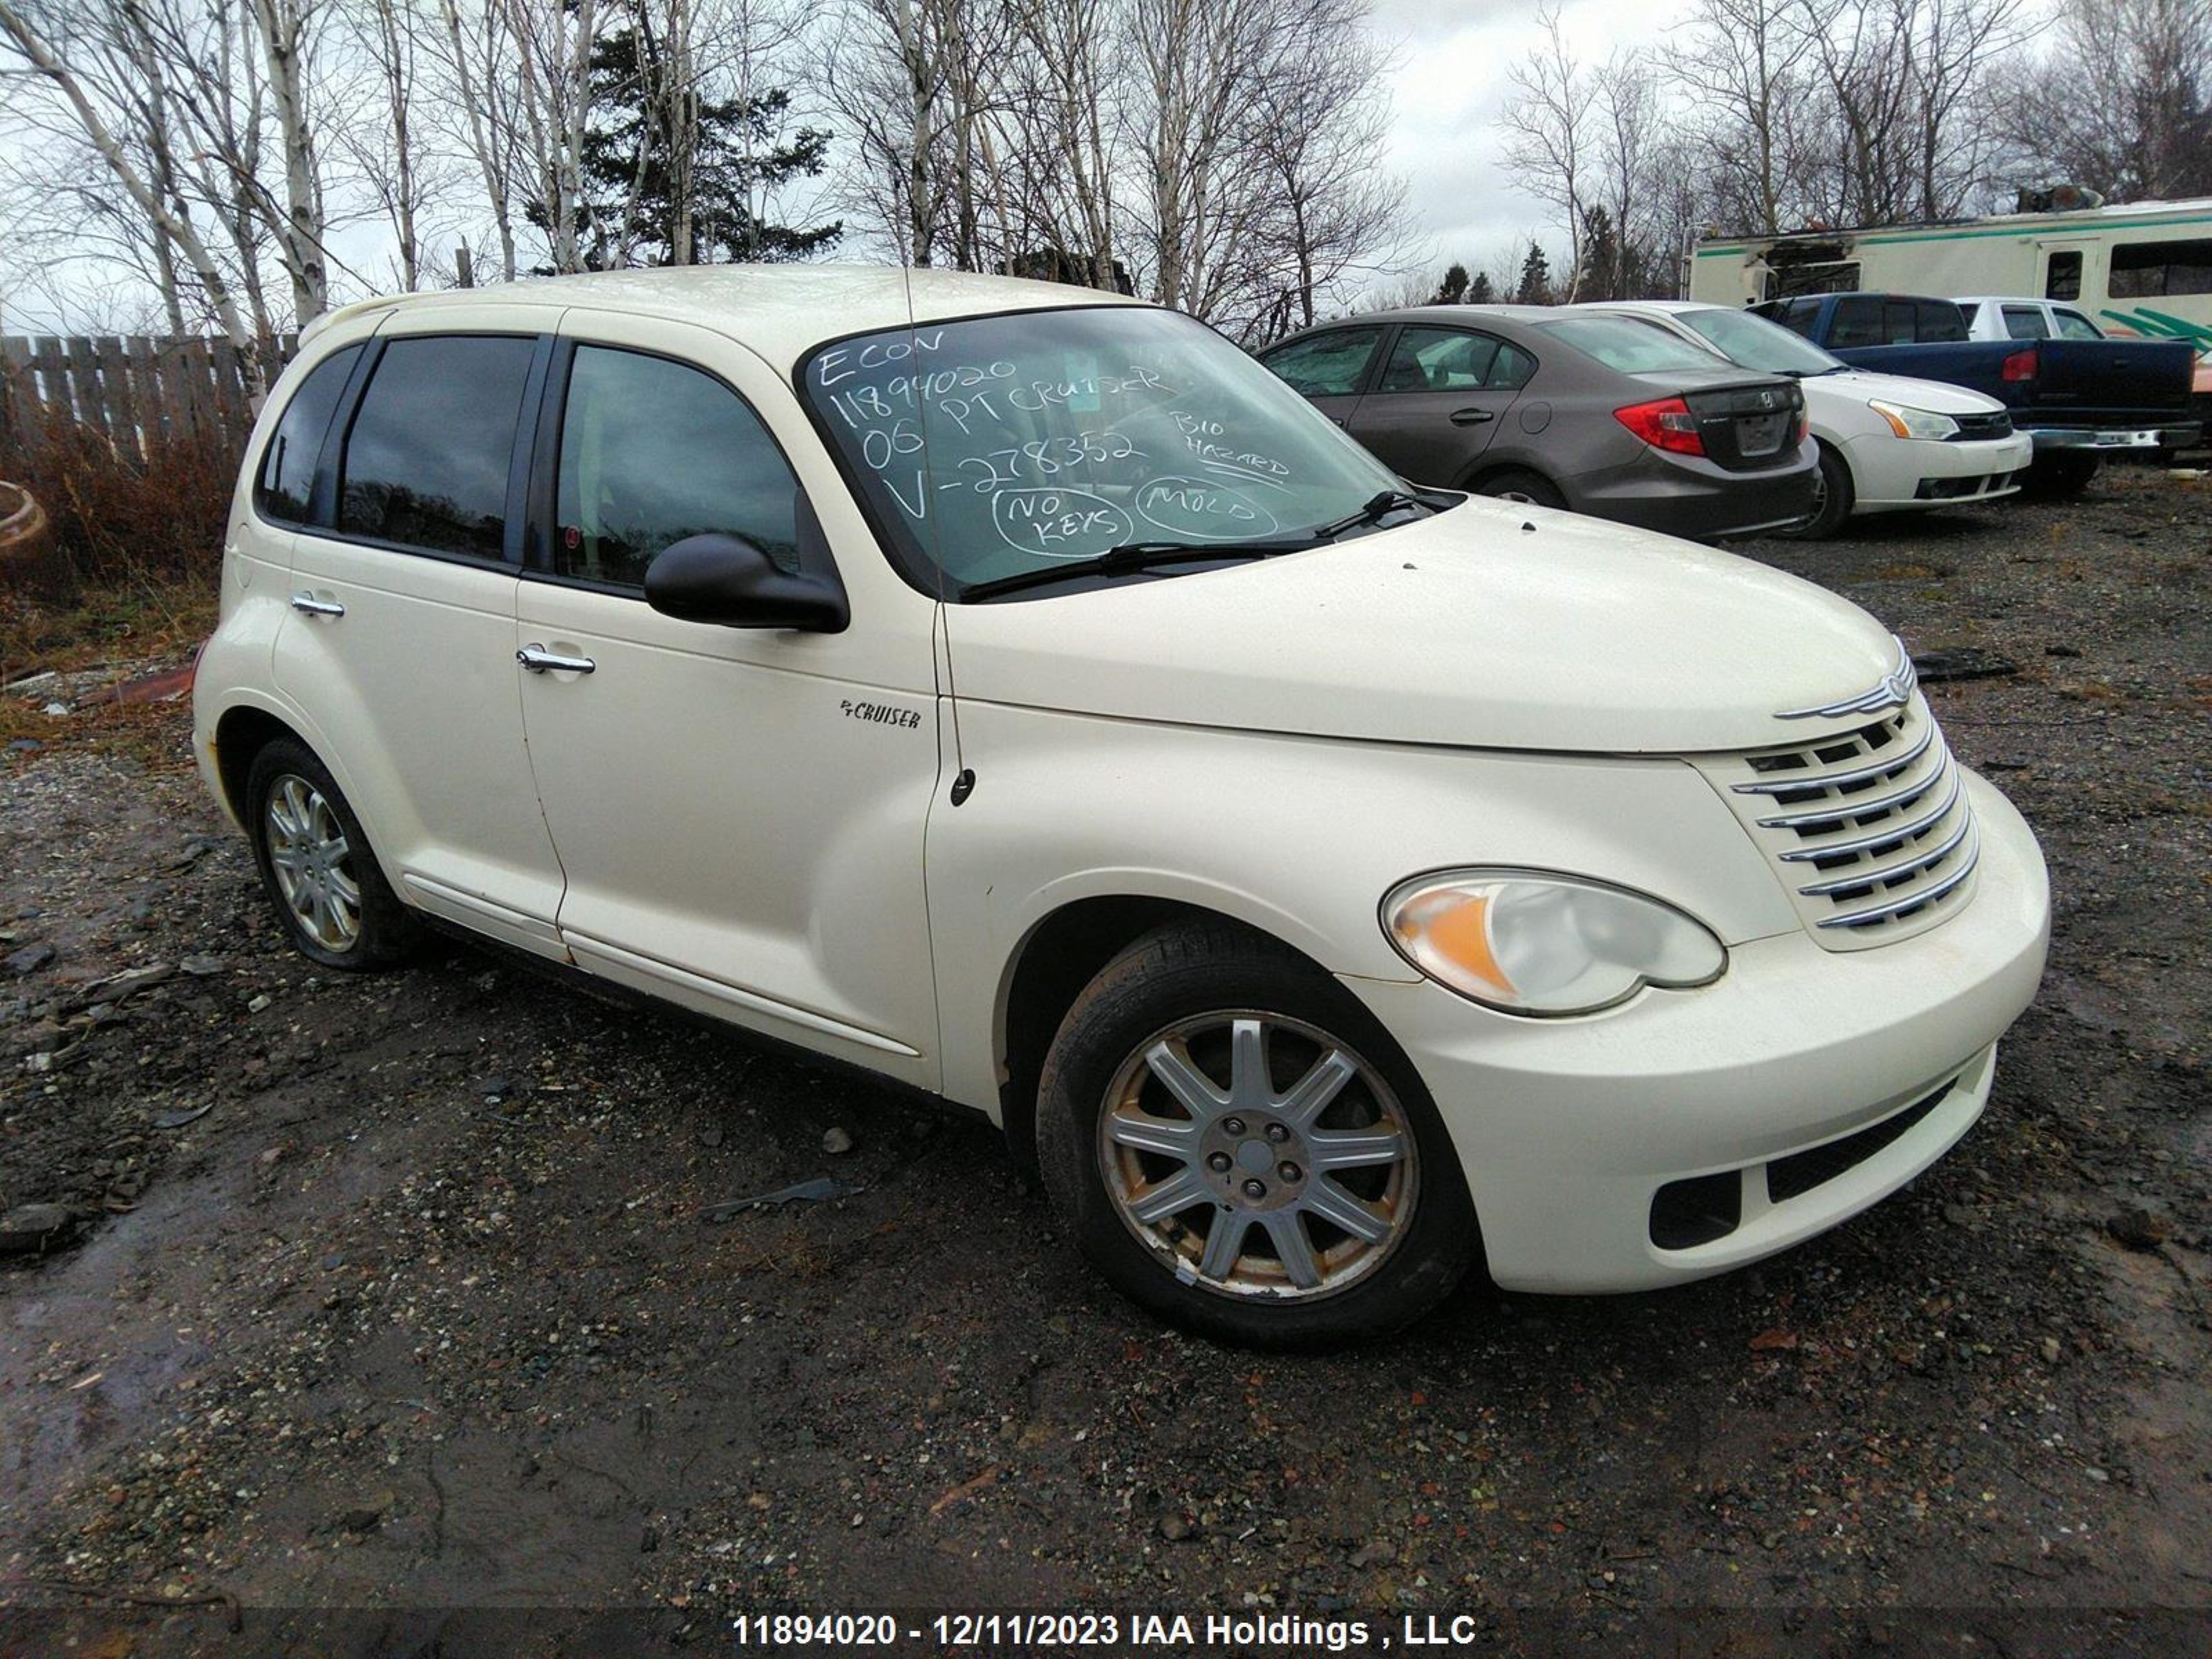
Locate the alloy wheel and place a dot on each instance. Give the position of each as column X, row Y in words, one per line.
column 313, row 860
column 1258, row 1156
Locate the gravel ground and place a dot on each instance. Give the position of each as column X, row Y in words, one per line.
column 419, row 1311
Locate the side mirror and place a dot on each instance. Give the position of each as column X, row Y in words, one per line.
column 719, row 577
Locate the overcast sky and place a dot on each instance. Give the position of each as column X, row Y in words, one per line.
column 1447, row 90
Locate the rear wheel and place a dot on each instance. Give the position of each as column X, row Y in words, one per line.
column 1833, row 497
column 1239, row 1146
column 317, row 868
column 1531, row 488
column 2062, row 475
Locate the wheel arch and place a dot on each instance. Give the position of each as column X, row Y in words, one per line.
column 242, row 731
column 1060, row 954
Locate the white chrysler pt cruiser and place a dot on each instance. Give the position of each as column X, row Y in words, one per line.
column 1021, row 695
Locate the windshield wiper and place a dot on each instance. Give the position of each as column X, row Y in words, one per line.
column 1390, row 500
column 1128, row 557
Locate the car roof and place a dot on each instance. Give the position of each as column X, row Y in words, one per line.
column 780, row 311
column 2012, row 300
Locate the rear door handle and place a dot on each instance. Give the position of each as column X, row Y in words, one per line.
column 538, row 660
column 315, row 607
column 1473, row 416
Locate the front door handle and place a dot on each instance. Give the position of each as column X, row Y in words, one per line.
column 538, row 660
column 315, row 607
column 1473, row 416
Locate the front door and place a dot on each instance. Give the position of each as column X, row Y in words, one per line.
column 399, row 645
column 1439, row 401
column 739, row 810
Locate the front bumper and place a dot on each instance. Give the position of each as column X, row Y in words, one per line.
column 1567, row 1130
column 1892, row 474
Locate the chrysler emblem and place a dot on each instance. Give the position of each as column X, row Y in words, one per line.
column 1893, row 690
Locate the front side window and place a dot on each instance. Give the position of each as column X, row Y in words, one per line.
column 1000, row 446
column 426, row 464
column 2073, row 325
column 653, row 452
column 1329, row 365
column 2026, row 322
column 1438, row 360
column 2143, row 269
column 284, row 487
column 1628, row 344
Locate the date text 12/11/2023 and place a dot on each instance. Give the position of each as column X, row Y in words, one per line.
column 1242, row 1633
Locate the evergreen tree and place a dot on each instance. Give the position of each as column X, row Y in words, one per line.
column 1535, row 287
column 640, row 188
column 1481, row 291
column 1453, row 289
column 1600, row 277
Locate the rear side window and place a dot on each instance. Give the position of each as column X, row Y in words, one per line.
column 1858, row 322
column 653, row 452
column 1511, row 369
column 2141, row 269
column 2026, row 322
column 1936, row 321
column 1629, row 344
column 284, row 487
column 1330, row 365
column 1439, row 360
column 426, row 464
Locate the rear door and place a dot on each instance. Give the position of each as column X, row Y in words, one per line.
column 1330, row 368
column 1441, row 398
column 398, row 649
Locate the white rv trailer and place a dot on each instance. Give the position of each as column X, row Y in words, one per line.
column 2136, row 267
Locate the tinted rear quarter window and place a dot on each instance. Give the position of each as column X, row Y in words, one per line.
column 426, row 464
column 284, row 487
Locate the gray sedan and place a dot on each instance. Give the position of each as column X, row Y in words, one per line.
column 1609, row 415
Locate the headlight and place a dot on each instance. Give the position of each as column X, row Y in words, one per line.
column 1910, row 422
column 1531, row 943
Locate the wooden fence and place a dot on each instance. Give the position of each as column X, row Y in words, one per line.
column 135, row 392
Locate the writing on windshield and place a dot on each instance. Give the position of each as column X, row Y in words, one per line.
column 996, row 444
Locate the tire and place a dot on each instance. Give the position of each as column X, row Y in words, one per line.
column 1520, row 485
column 1193, row 993
column 338, row 911
column 2061, row 476
column 1833, row 497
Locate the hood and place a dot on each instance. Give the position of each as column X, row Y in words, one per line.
column 1933, row 395
column 1490, row 625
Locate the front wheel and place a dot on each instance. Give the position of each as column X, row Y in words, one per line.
column 1239, row 1146
column 1833, row 498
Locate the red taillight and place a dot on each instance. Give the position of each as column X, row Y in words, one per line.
column 1667, row 424
column 2019, row 366
column 1804, row 426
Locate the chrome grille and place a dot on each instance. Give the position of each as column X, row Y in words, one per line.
column 1870, row 828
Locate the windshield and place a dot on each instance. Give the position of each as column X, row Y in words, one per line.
column 1628, row 344
column 998, row 446
column 1755, row 342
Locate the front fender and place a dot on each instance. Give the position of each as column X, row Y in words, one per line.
column 1297, row 837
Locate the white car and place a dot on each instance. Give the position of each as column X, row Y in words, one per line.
column 1020, row 694
column 1887, row 444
